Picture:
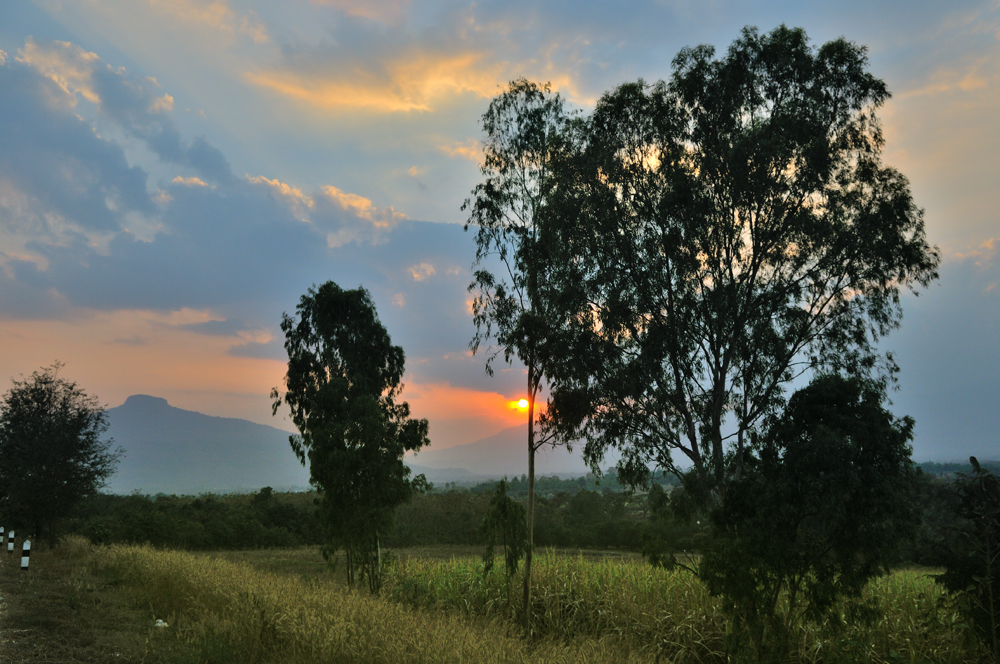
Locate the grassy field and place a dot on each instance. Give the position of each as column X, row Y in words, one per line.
column 283, row 606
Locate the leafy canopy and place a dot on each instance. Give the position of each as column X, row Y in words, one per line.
column 52, row 450
column 719, row 235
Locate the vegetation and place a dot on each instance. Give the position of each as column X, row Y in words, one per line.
column 972, row 563
column 342, row 383
column 609, row 611
column 818, row 512
column 505, row 526
column 52, row 450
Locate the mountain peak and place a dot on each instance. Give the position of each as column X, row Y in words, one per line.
column 145, row 401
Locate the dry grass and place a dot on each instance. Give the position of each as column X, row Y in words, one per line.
column 98, row 605
column 234, row 613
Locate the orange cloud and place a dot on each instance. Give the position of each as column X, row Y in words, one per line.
column 189, row 182
column 70, row 66
column 469, row 149
column 982, row 255
column 411, row 82
column 363, row 208
column 422, row 272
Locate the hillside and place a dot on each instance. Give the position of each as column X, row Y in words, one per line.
column 171, row 450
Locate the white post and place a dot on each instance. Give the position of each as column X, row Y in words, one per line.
column 25, row 553
column 10, row 542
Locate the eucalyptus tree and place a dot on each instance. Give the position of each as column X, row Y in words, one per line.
column 524, row 127
column 342, row 386
column 726, row 232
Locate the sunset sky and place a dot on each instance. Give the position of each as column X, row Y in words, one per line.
column 174, row 174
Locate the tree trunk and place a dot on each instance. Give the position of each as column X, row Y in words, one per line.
column 530, row 516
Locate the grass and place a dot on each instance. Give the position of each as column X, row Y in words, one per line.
column 283, row 606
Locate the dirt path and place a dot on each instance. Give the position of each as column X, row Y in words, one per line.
column 56, row 613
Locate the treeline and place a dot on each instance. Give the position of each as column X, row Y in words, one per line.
column 584, row 512
column 249, row 521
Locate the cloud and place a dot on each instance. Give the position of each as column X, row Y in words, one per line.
column 60, row 183
column 422, row 271
column 215, row 14
column 403, row 82
column 383, row 11
column 387, row 67
column 470, row 149
column 134, row 103
column 983, row 255
column 79, row 230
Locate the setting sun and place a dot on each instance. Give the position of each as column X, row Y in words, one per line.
column 523, row 403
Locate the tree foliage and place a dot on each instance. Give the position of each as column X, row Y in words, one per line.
column 342, row 385
column 972, row 563
column 821, row 508
column 719, row 235
column 52, row 450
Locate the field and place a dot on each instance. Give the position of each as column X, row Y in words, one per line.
column 100, row 604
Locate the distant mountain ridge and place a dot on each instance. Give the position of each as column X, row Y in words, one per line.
column 171, row 450
column 175, row 451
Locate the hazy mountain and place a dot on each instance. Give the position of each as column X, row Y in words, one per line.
column 504, row 453
column 170, row 450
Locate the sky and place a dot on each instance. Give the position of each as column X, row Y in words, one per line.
column 175, row 174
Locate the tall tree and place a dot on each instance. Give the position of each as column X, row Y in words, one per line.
column 52, row 450
column 342, row 385
column 524, row 127
column 728, row 231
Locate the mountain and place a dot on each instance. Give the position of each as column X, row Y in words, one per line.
column 505, row 453
column 171, row 450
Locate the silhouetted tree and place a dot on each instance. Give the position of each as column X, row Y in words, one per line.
column 823, row 504
column 342, row 384
column 52, row 451
column 717, row 236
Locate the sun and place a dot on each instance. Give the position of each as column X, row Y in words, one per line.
column 523, row 403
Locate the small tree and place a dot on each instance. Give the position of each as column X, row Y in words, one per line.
column 52, row 451
column 820, row 509
column 342, row 383
column 504, row 525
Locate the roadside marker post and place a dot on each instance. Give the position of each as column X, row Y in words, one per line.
column 25, row 554
column 10, row 542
